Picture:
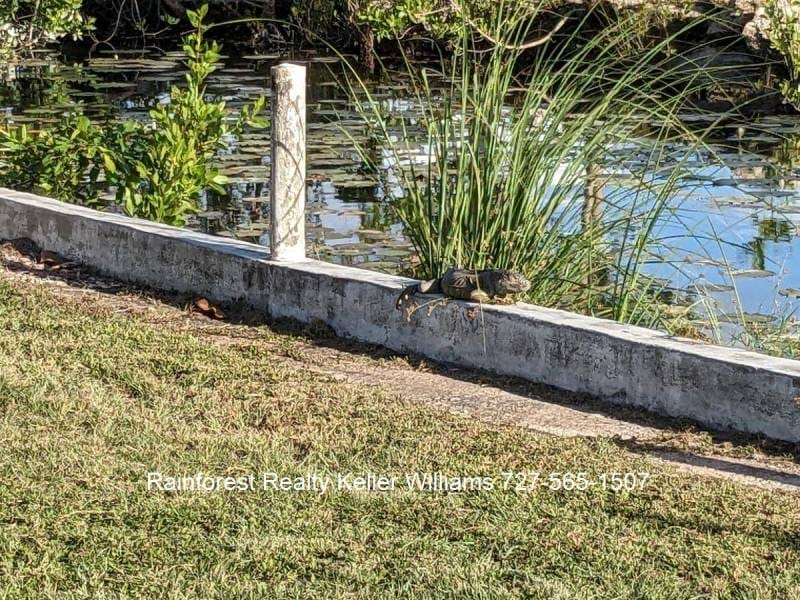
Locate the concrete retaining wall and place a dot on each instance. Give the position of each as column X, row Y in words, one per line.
column 722, row 388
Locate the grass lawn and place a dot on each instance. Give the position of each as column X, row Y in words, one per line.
column 91, row 401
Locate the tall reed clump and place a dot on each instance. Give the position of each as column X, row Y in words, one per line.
column 552, row 157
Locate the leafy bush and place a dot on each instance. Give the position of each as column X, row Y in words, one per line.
column 159, row 169
column 319, row 16
column 162, row 169
column 64, row 162
column 784, row 34
column 26, row 24
column 390, row 19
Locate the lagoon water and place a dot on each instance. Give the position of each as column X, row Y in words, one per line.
column 740, row 202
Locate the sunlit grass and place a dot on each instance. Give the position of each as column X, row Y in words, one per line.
column 90, row 401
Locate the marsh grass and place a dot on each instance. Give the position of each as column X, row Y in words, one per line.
column 517, row 161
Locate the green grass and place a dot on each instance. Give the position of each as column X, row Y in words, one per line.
column 775, row 339
column 91, row 400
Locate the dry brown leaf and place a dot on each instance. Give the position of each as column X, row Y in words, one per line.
column 204, row 307
column 50, row 259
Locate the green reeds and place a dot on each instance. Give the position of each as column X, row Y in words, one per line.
column 534, row 157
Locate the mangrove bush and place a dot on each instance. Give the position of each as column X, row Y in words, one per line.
column 27, row 24
column 784, row 34
column 158, row 169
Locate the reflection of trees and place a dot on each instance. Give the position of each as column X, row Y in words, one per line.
column 756, row 247
column 775, row 230
column 591, row 221
column 379, row 216
column 45, row 86
column 28, row 87
column 788, row 153
column 593, row 198
column 769, row 230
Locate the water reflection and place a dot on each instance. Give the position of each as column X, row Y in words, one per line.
column 746, row 192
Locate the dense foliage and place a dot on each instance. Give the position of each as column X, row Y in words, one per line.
column 158, row 169
column 522, row 188
column 162, row 169
column 64, row 162
column 784, row 34
column 441, row 19
column 26, row 24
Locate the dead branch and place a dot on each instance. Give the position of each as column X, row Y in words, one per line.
column 526, row 46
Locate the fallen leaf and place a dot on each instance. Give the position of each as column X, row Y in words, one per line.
column 204, row 307
column 49, row 258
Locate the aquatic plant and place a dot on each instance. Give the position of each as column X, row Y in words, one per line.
column 159, row 169
column 517, row 161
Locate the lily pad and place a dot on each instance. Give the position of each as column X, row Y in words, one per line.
column 711, row 287
column 754, row 318
column 752, row 273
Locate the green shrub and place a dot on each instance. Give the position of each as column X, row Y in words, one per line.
column 159, row 169
column 64, row 162
column 26, row 24
column 443, row 20
column 784, row 34
column 321, row 17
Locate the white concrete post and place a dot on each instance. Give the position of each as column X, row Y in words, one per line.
column 288, row 186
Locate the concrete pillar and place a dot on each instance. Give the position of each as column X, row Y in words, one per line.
column 593, row 197
column 288, row 186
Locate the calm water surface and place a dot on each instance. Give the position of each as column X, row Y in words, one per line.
column 747, row 195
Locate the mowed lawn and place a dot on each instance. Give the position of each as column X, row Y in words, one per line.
column 92, row 400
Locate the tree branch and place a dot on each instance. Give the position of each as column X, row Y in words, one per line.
column 532, row 44
column 176, row 8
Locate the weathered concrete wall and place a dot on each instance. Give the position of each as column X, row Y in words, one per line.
column 720, row 387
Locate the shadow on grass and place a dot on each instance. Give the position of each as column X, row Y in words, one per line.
column 680, row 440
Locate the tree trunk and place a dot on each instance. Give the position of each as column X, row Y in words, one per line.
column 364, row 34
column 176, row 8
